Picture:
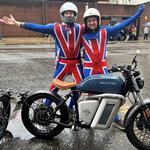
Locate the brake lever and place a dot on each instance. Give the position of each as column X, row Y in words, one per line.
column 134, row 60
column 135, row 65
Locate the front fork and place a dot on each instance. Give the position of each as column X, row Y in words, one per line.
column 146, row 114
column 145, row 109
column 139, row 98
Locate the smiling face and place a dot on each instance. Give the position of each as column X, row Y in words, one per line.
column 92, row 23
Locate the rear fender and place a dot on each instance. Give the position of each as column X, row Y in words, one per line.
column 44, row 93
column 132, row 110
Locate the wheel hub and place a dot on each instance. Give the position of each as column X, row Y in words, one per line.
column 41, row 116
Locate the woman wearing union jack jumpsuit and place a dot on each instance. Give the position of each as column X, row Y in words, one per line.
column 94, row 42
column 67, row 36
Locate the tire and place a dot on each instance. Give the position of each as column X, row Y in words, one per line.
column 138, row 120
column 31, row 124
column 5, row 110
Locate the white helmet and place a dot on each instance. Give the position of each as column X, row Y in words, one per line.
column 65, row 7
column 92, row 12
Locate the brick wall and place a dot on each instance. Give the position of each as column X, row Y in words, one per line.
column 43, row 13
column 21, row 13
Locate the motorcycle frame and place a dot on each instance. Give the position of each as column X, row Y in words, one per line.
column 77, row 121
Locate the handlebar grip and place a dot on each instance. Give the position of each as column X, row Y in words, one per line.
column 114, row 69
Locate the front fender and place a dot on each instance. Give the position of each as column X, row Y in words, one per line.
column 132, row 110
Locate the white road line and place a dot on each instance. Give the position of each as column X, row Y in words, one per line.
column 138, row 51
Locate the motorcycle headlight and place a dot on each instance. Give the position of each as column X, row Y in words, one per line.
column 140, row 82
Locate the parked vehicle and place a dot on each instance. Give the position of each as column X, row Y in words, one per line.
column 96, row 111
column 119, row 36
column 5, row 106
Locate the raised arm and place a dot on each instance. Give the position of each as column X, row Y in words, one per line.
column 46, row 29
column 127, row 22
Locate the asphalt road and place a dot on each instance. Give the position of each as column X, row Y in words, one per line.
column 32, row 69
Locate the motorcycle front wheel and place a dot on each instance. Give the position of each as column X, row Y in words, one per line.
column 138, row 129
column 40, row 120
column 4, row 114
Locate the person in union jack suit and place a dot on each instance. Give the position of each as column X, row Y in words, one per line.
column 94, row 42
column 67, row 36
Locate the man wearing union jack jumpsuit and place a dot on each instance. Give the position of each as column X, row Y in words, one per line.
column 68, row 41
column 94, row 42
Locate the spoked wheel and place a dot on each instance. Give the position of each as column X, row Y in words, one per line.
column 40, row 120
column 4, row 114
column 138, row 129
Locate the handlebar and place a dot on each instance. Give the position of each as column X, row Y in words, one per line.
column 10, row 92
column 126, row 71
column 125, row 68
column 120, row 68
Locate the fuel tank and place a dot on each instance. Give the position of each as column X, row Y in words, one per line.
column 101, row 84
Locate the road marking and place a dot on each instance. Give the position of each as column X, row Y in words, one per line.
column 138, row 51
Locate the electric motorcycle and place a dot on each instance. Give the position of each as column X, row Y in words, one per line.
column 96, row 110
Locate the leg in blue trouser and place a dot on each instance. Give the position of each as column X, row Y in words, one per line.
column 47, row 102
column 118, row 122
column 117, row 117
column 72, row 103
column 75, row 97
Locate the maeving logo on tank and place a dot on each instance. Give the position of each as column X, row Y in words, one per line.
column 107, row 83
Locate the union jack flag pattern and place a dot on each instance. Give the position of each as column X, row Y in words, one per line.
column 68, row 52
column 67, row 45
column 94, row 54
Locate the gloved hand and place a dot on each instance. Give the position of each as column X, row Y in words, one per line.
column 141, row 8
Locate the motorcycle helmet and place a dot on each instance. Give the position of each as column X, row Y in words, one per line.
column 92, row 12
column 68, row 6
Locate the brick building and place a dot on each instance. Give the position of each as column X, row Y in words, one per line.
column 46, row 11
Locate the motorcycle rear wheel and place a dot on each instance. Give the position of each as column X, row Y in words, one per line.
column 35, row 116
column 138, row 129
column 4, row 114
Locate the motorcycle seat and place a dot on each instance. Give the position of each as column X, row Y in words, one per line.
column 63, row 85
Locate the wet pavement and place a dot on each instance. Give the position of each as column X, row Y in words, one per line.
column 32, row 69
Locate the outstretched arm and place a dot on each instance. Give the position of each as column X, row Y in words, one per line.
column 10, row 21
column 127, row 22
column 46, row 29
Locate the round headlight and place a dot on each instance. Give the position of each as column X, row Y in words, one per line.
column 140, row 82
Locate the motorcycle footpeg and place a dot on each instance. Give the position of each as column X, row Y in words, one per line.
column 18, row 107
column 75, row 128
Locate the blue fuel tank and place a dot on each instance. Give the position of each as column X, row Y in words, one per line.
column 101, row 84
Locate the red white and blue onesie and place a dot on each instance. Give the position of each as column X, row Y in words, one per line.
column 68, row 42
